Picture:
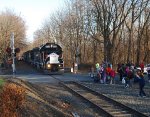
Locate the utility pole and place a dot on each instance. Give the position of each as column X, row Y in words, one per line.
column 13, row 52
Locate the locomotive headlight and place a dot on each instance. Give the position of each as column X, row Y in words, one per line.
column 60, row 65
column 48, row 65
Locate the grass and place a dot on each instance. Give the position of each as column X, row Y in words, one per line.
column 1, row 82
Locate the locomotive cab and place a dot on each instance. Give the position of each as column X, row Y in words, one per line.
column 52, row 58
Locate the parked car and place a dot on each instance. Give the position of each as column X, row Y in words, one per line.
column 145, row 68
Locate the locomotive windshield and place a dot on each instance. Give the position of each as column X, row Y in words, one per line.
column 51, row 48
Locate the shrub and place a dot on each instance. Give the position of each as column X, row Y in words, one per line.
column 12, row 98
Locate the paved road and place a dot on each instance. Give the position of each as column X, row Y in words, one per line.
column 26, row 72
column 29, row 73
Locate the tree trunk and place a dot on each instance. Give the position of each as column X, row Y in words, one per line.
column 107, row 49
column 138, row 52
column 109, row 52
column 129, row 45
column 94, row 52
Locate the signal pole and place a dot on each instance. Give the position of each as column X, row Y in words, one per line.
column 77, row 60
column 13, row 52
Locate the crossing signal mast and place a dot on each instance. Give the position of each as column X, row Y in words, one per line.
column 12, row 52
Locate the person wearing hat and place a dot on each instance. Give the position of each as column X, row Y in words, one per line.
column 141, row 81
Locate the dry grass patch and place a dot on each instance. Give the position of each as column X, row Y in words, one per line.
column 12, row 99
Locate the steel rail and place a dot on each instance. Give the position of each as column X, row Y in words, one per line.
column 96, row 107
column 133, row 112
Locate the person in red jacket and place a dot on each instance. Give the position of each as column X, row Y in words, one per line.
column 112, row 76
column 108, row 70
column 142, row 66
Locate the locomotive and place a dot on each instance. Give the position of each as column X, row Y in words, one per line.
column 47, row 57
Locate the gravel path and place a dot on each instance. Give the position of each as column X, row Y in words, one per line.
column 127, row 96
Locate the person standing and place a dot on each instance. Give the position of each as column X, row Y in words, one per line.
column 119, row 71
column 92, row 72
column 148, row 73
column 141, row 81
column 98, row 76
column 127, row 80
column 108, row 70
column 97, row 67
column 142, row 66
column 112, row 76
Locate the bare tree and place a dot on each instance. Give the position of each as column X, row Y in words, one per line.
column 142, row 25
column 99, row 30
column 137, row 8
column 10, row 22
column 110, row 15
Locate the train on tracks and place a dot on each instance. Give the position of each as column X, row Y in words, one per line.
column 47, row 57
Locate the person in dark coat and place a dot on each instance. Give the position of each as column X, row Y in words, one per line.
column 141, row 81
column 148, row 73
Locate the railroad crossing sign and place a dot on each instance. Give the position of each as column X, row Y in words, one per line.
column 8, row 50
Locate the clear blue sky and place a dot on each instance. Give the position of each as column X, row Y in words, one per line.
column 34, row 12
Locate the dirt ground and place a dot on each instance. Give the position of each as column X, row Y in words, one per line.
column 51, row 100
column 42, row 101
column 48, row 100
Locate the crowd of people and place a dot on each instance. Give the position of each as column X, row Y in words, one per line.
column 105, row 73
column 127, row 74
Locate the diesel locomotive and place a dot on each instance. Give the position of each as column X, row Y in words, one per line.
column 47, row 57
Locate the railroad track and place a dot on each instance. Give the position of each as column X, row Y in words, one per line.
column 35, row 90
column 101, row 103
